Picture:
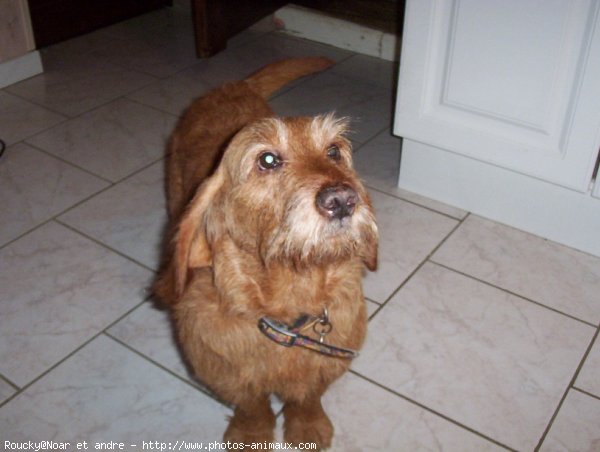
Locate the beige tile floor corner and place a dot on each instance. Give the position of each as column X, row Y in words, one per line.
column 481, row 337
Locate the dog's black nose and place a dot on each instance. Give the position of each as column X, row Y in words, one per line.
column 337, row 201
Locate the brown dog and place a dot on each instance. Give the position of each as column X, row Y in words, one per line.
column 267, row 250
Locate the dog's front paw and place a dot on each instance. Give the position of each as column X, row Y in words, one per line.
column 249, row 427
column 249, row 435
column 316, row 430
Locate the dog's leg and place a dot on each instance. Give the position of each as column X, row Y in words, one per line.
column 306, row 422
column 253, row 421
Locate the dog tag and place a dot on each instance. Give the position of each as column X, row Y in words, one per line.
column 322, row 328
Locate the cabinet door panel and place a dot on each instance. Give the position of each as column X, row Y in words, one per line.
column 514, row 83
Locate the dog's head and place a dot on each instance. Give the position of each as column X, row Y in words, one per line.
column 285, row 190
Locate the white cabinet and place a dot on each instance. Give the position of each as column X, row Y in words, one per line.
column 499, row 105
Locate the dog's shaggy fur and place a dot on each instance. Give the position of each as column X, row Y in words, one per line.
column 277, row 225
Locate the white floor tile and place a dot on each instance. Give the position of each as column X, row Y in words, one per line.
column 20, row 119
column 176, row 93
column 59, row 290
column 6, row 391
column 73, row 85
column 577, row 426
column 369, row 69
column 129, row 217
column 407, row 234
column 34, row 187
column 552, row 274
column 160, row 53
column 148, row 330
column 275, row 46
column 107, row 393
column 368, row 418
column 378, row 161
column 589, row 377
column 112, row 141
column 487, row 359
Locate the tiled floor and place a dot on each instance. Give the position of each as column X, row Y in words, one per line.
column 481, row 337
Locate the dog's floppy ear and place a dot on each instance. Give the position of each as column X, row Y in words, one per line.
column 369, row 243
column 191, row 245
column 369, row 254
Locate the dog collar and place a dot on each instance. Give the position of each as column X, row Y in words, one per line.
column 289, row 335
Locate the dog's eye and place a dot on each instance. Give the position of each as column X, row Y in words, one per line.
column 333, row 152
column 268, row 161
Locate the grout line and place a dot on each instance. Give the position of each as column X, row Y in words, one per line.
column 124, row 67
column 147, row 358
column 152, row 107
column 430, row 410
column 566, row 392
column 297, row 83
column 418, row 267
column 74, row 351
column 106, row 332
column 277, row 33
column 37, row 104
column 146, row 299
column 140, row 169
column 68, row 117
column 583, row 391
column 54, row 366
column 104, row 245
column 112, row 184
column 83, row 201
column 63, row 160
column 289, row 87
column 431, row 209
column 376, row 85
column 85, row 170
column 9, row 382
column 113, row 99
column 357, row 149
column 23, row 234
column 123, row 95
column 514, row 294
column 55, row 216
column 372, row 301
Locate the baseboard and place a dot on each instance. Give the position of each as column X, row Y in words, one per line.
column 20, row 68
column 541, row 208
column 308, row 24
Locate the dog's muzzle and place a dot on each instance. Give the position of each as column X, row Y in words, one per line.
column 337, row 202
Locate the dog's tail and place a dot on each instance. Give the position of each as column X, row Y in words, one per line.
column 276, row 75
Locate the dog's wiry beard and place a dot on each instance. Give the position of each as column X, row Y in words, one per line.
column 306, row 237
